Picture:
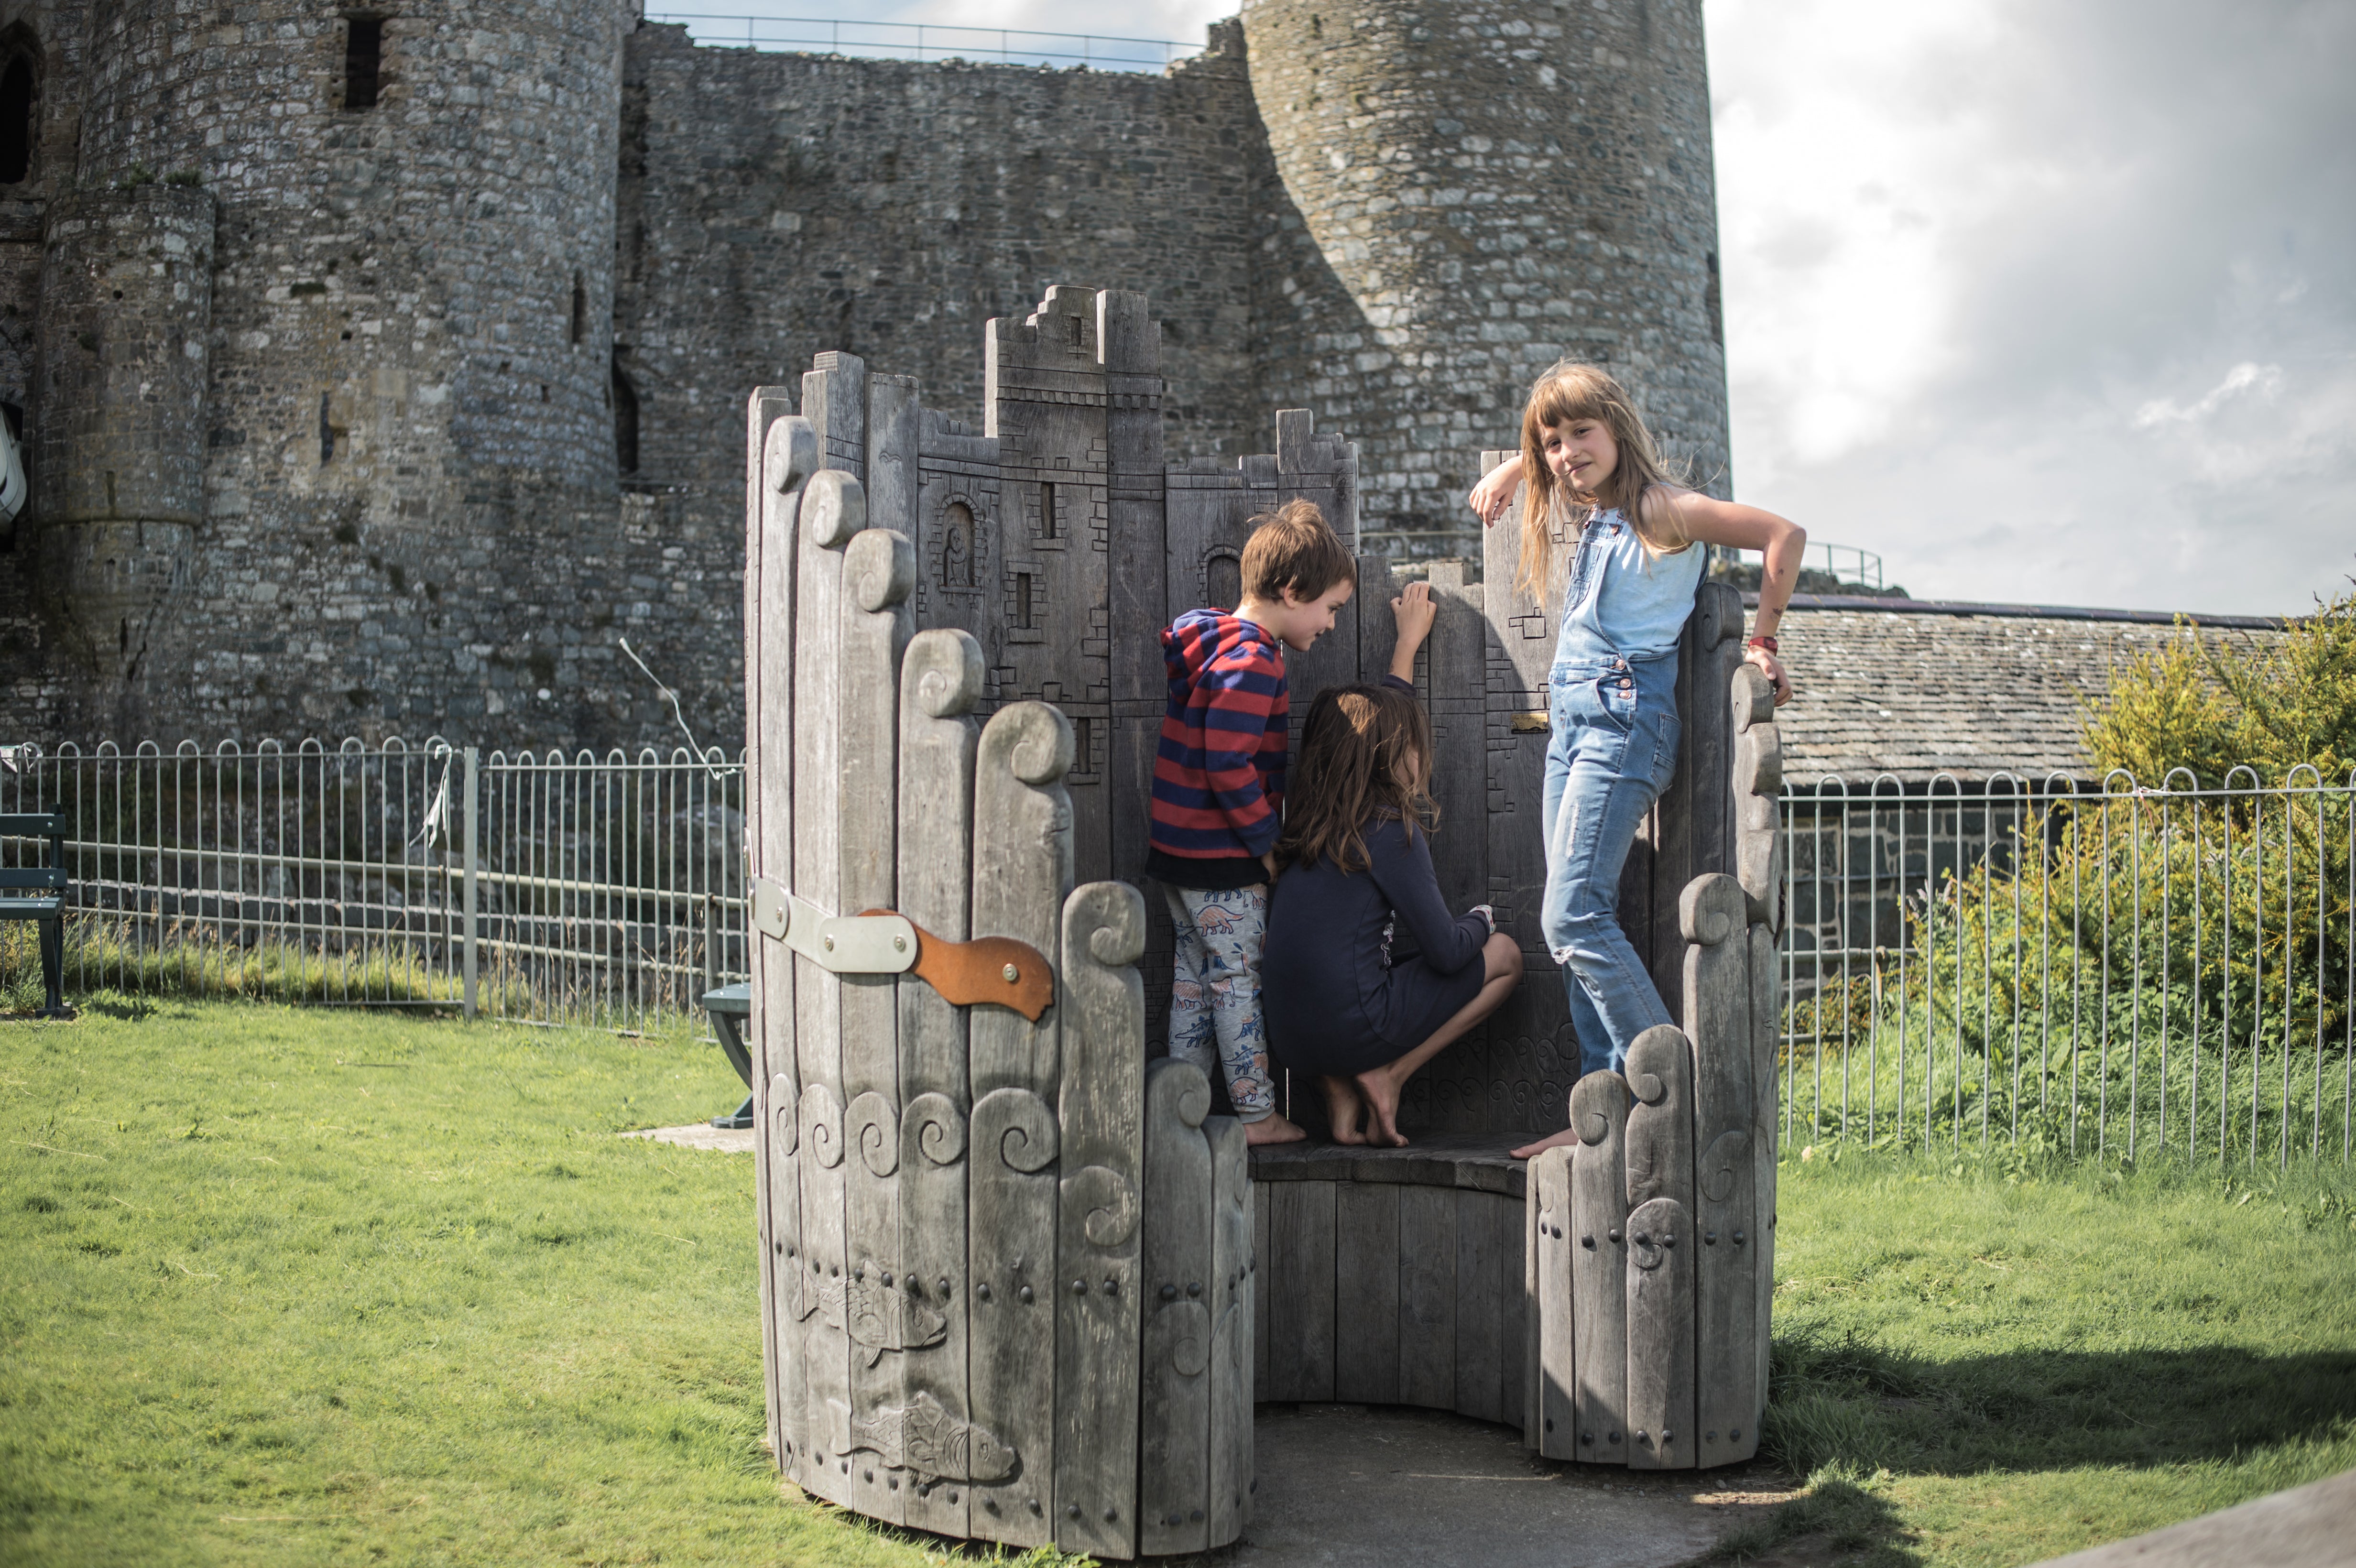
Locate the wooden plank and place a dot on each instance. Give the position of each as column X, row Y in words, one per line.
column 895, row 417
column 1011, row 1257
column 1709, row 728
column 1235, row 1266
column 1183, row 1292
column 1481, row 1296
column 1599, row 1267
column 782, row 452
column 1661, row 1335
column 1660, row 1139
column 1263, row 1285
column 1758, row 784
column 941, row 681
column 1660, row 1124
column 1505, row 1225
column 1556, row 1239
column 879, row 569
column 1301, row 1305
column 1766, row 1023
column 1427, row 1297
column 1454, row 688
column 1366, row 1293
column 1022, row 836
column 833, row 510
column 1100, row 1311
column 1717, row 1017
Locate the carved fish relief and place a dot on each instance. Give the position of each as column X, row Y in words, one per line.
column 924, row 1438
column 878, row 1318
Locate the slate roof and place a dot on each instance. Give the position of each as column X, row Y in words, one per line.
column 1915, row 687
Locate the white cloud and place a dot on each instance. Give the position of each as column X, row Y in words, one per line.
column 2267, row 378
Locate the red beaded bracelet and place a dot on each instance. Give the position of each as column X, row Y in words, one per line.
column 1767, row 643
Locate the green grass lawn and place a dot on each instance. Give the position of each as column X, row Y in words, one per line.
column 310, row 1287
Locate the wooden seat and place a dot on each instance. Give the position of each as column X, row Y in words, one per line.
column 39, row 893
column 1392, row 1276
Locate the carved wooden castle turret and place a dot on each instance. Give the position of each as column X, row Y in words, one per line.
column 1019, row 1284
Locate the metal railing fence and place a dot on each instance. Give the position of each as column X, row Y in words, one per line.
column 927, row 41
column 2054, row 966
column 2117, row 970
column 546, row 887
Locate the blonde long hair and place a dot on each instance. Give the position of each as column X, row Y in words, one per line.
column 1572, row 390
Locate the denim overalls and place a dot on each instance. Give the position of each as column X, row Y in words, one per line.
column 1612, row 703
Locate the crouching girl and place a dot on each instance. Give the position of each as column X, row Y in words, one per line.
column 1366, row 976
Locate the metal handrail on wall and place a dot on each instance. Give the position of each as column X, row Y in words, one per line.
column 926, row 41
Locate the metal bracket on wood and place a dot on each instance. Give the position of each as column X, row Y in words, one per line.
column 996, row 970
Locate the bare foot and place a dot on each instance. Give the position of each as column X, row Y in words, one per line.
column 1342, row 1110
column 1272, row 1129
column 1382, row 1092
column 1552, row 1140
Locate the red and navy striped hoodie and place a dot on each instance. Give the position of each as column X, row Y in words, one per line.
column 1218, row 778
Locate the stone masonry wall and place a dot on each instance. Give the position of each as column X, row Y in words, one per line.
column 1483, row 188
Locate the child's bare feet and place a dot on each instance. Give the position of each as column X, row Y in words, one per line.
column 1272, row 1129
column 1382, row 1092
column 1552, row 1140
column 1343, row 1110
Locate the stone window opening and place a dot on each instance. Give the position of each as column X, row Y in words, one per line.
column 625, row 422
column 1049, row 528
column 580, row 308
column 19, row 96
column 363, row 61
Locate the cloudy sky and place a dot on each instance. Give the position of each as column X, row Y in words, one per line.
column 2052, row 303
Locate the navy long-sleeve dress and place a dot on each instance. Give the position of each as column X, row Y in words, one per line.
column 1337, row 997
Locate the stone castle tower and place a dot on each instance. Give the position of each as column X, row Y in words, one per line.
column 380, row 370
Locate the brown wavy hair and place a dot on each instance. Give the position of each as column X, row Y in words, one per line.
column 1571, row 391
column 1351, row 747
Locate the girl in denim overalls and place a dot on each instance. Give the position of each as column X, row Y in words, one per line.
column 1611, row 696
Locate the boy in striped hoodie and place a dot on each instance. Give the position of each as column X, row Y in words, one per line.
column 1218, row 791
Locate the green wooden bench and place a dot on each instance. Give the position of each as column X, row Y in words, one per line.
column 39, row 893
column 730, row 1007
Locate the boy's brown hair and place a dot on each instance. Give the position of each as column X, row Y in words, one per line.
column 1356, row 748
column 1294, row 547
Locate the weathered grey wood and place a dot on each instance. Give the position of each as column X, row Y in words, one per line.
column 879, row 1321
column 782, row 451
column 1480, row 1307
column 1300, row 1309
column 1708, row 733
column 941, row 681
column 1184, row 1294
column 1099, row 1299
column 1366, row 1293
column 1505, row 1225
column 1428, row 1297
column 1023, row 834
column 1011, row 1351
column 1766, row 1025
column 1453, row 685
column 878, row 571
column 1717, row 1017
column 1533, row 1384
column 1234, row 1268
column 1263, row 1252
column 1556, row 1239
column 1660, row 1124
column 1758, row 784
column 894, row 419
column 826, row 1341
column 1598, row 1265
column 1661, row 1335
column 833, row 510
